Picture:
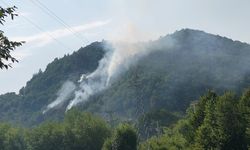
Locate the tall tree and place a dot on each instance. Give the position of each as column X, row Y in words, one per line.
column 229, row 122
column 47, row 136
column 11, row 138
column 6, row 46
column 244, row 107
column 84, row 131
column 197, row 113
column 207, row 135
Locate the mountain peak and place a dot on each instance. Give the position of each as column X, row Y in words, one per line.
column 202, row 35
column 187, row 33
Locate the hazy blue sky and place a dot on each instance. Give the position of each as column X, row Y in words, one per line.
column 95, row 20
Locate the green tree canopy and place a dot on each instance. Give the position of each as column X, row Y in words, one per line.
column 47, row 136
column 123, row 138
column 84, row 131
column 11, row 138
column 214, row 122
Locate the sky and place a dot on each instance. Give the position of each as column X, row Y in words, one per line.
column 63, row 26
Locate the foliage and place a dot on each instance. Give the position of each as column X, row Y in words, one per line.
column 123, row 138
column 153, row 122
column 46, row 136
column 6, row 46
column 179, row 68
column 11, row 138
column 83, row 131
column 223, row 125
column 244, row 107
column 79, row 131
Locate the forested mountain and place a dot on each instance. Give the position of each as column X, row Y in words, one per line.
column 26, row 107
column 169, row 78
column 162, row 83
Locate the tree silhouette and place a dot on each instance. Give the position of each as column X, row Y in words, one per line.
column 6, row 46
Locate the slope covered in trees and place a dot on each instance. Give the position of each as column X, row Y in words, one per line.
column 163, row 82
column 170, row 77
column 25, row 108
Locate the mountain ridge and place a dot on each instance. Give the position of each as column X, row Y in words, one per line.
column 197, row 53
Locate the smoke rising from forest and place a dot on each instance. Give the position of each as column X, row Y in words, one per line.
column 65, row 91
column 184, row 50
column 120, row 55
column 116, row 61
column 118, row 58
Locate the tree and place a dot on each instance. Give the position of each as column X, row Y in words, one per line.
column 11, row 138
column 6, row 46
column 244, row 108
column 78, row 131
column 207, row 135
column 84, row 131
column 196, row 115
column 196, row 112
column 124, row 138
column 230, row 123
column 172, row 139
column 47, row 136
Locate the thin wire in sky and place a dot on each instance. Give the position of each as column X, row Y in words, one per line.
column 40, row 29
column 48, row 33
column 50, row 13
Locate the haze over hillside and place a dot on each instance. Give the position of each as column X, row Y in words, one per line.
column 166, row 74
column 95, row 20
column 124, row 75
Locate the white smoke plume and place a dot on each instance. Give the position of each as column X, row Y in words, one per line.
column 125, row 55
column 92, row 83
column 117, row 60
column 62, row 95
